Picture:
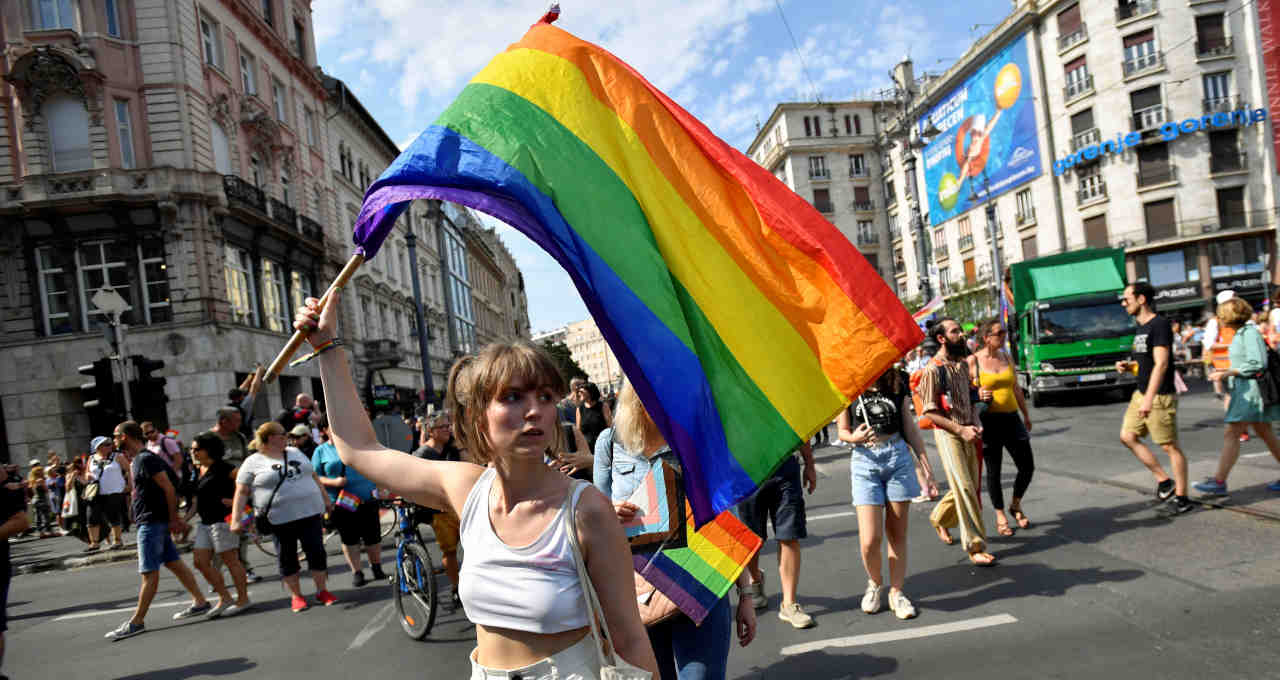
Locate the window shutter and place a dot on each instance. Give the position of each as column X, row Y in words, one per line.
column 1069, row 20
column 1140, row 37
column 1160, row 221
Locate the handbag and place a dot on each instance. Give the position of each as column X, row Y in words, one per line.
column 261, row 522
column 71, row 502
column 94, row 487
column 611, row 667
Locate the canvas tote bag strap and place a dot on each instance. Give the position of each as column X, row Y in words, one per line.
column 594, row 610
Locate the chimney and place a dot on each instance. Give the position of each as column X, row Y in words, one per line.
column 904, row 76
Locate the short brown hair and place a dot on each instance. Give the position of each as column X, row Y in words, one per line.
column 1234, row 312
column 476, row 379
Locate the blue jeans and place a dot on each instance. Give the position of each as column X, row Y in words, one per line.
column 689, row 652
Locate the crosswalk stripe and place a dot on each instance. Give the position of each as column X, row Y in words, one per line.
column 904, row 634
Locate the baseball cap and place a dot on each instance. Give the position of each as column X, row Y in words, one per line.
column 33, row 462
column 1225, row 295
column 300, row 430
column 98, row 441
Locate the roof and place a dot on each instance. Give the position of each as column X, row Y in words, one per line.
column 348, row 101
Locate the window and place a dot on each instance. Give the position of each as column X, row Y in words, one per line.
column 1070, row 27
column 1169, row 268
column 299, row 40
column 893, row 226
column 970, row 272
column 1224, row 151
column 1233, row 258
column 1153, row 165
column 1029, row 250
column 944, row 279
column 366, row 319
column 301, row 287
column 102, row 266
column 1026, row 209
column 69, row 134
column 277, row 96
column 822, row 200
column 1095, row 231
column 248, row 72
column 965, row 242
column 866, row 233
column 404, row 265
column 384, row 323
column 808, row 130
column 857, row 124
column 221, row 149
column 275, row 298
column 285, row 193
column 817, row 126
column 309, row 117
column 1078, row 79
column 1217, row 91
column 818, row 168
column 861, row 198
column 1140, row 52
column 940, row 237
column 53, row 266
column 242, row 290
column 211, row 41
column 1083, row 131
column 848, row 124
column 1160, row 220
column 1211, row 35
column 1148, row 107
column 113, row 18
column 267, row 15
column 256, row 169
column 857, row 165
column 1231, row 212
column 155, row 282
column 890, row 194
column 124, row 130
column 52, row 14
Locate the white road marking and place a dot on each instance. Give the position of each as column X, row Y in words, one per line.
column 832, row 515
column 905, row 634
column 103, row 612
column 377, row 623
column 1256, row 455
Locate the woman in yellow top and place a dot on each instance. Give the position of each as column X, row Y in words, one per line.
column 1001, row 426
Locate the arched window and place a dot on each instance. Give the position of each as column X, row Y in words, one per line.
column 68, row 134
column 221, row 149
column 284, row 187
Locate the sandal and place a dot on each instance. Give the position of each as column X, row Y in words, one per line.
column 1002, row 526
column 944, row 535
column 1021, row 518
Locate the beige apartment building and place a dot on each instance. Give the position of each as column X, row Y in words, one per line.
column 592, row 353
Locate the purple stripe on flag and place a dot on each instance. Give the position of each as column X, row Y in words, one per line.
column 660, row 580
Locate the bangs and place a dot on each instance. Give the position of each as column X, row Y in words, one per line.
column 516, row 365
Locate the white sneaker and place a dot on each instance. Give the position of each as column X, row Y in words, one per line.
column 871, row 600
column 901, row 606
column 794, row 615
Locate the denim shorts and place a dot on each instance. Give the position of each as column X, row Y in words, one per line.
column 883, row 472
column 155, row 547
column 780, row 499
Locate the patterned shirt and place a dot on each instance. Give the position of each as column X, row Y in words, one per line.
column 957, row 390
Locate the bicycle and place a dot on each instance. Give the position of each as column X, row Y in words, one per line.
column 414, row 581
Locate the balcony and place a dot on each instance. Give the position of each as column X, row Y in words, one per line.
column 310, row 228
column 1025, row 216
column 1212, row 49
column 891, row 199
column 868, row 239
column 856, row 172
column 1134, row 10
column 1091, row 189
column 900, row 267
column 1156, row 176
column 886, row 164
column 1149, row 118
column 1222, row 104
column 243, row 194
column 966, row 242
column 895, row 232
column 940, row 252
column 282, row 214
column 1139, row 65
column 1086, row 138
column 1227, row 161
column 824, row 207
column 383, row 352
column 1078, row 87
column 819, row 173
column 864, row 206
column 1076, row 37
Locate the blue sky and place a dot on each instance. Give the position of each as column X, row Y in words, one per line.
column 727, row 61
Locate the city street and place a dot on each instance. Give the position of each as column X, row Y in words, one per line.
column 1100, row 586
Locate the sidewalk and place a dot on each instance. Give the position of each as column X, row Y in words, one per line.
column 33, row 554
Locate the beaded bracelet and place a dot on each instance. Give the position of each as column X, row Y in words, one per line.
column 317, row 351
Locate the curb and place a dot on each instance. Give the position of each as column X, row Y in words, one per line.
column 130, row 554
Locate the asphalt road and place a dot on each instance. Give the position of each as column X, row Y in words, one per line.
column 1099, row 587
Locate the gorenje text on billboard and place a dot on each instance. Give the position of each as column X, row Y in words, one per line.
column 988, row 139
column 1168, row 132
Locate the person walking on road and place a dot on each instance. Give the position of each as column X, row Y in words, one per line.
column 1154, row 406
column 285, row 489
column 236, row 448
column 155, row 509
column 531, row 615
column 887, row 447
column 780, row 498
column 215, row 489
column 945, row 393
column 1006, row 425
column 1248, row 359
column 438, row 445
column 624, row 455
column 108, row 507
column 357, row 526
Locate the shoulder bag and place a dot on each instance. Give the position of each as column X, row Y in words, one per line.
column 654, row 605
column 92, row 489
column 612, row 667
column 261, row 521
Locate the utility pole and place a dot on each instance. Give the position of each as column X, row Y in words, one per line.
column 918, row 228
column 109, row 302
column 412, row 240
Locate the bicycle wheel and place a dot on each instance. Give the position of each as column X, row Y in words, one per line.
column 387, row 520
column 265, row 543
column 415, row 591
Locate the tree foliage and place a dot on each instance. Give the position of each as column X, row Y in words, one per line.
column 559, row 352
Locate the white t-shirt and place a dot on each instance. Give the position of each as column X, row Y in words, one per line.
column 1274, row 318
column 1210, row 334
column 299, row 495
column 112, row 477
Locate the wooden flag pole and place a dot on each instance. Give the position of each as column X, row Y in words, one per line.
column 282, row 359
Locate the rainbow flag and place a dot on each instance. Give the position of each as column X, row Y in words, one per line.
column 932, row 306
column 742, row 317
column 697, row 576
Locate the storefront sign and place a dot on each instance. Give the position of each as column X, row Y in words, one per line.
column 1169, row 132
column 1238, row 283
column 1178, row 292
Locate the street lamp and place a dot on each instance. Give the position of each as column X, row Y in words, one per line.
column 993, row 234
column 412, row 240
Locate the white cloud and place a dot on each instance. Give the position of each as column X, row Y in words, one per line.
column 353, row 55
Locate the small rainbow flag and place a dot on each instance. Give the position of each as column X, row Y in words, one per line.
column 697, row 576
column 744, row 319
column 932, row 306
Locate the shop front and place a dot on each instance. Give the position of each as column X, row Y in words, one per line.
column 1175, row 274
column 1238, row 265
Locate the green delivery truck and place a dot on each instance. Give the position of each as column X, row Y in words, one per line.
column 1069, row 327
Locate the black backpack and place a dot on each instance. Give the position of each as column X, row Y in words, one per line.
column 1269, row 379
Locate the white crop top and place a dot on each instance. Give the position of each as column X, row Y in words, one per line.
column 534, row 588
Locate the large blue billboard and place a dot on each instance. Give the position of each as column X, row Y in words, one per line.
column 987, row 140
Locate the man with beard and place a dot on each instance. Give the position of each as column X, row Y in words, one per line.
column 944, row 391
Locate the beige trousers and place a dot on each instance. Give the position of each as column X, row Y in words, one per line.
column 960, row 504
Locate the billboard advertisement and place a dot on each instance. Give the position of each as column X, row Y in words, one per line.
column 987, row 137
column 1268, row 18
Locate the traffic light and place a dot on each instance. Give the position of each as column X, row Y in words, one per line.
column 101, row 393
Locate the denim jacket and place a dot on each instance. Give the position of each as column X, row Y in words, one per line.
column 618, row 471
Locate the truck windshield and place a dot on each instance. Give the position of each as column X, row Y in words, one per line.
column 1069, row 324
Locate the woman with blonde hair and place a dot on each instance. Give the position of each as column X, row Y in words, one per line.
column 285, row 489
column 623, row 455
column 520, row 581
column 1248, row 359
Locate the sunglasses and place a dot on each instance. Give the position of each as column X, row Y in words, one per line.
column 998, row 334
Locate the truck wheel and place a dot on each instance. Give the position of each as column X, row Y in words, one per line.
column 1037, row 399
